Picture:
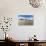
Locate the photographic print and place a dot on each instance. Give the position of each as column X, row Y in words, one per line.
column 25, row 19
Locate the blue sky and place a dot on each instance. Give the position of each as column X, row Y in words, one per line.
column 28, row 17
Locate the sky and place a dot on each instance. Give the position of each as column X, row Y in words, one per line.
column 28, row 17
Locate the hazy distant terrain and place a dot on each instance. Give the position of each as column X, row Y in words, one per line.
column 25, row 22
